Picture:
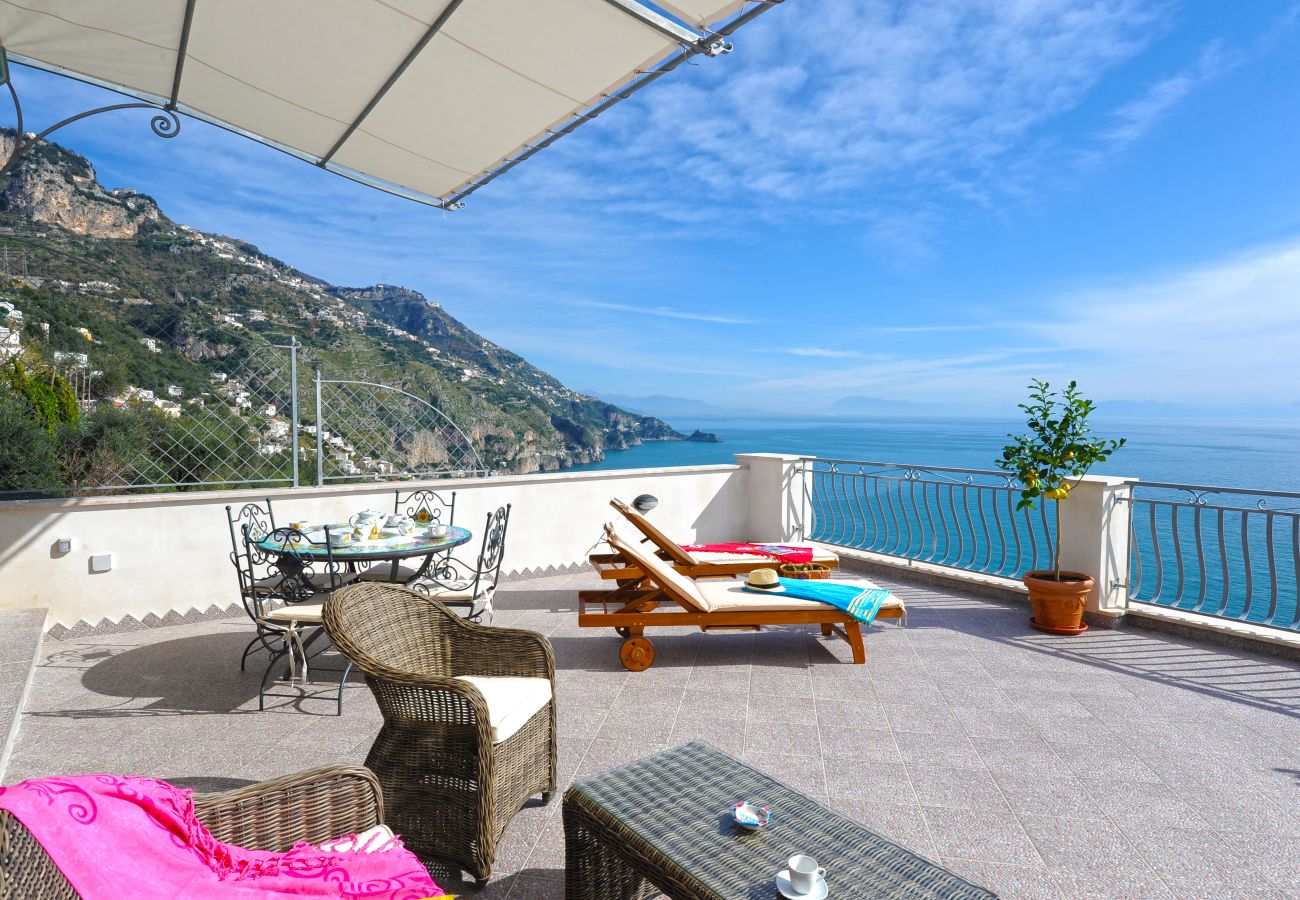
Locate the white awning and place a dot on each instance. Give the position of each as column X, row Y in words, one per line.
column 426, row 98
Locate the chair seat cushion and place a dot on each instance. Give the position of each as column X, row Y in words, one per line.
column 731, row 596
column 511, row 701
column 319, row 580
column 383, row 571
column 309, row 613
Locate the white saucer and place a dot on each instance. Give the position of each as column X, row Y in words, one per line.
column 783, row 886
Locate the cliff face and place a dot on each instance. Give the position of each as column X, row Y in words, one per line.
column 169, row 305
column 50, row 186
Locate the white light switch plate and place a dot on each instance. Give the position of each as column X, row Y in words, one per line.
column 101, row 562
column 65, row 545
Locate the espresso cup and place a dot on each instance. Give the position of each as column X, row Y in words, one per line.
column 804, row 873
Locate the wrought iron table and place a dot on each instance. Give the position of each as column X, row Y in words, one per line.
column 662, row 824
column 391, row 550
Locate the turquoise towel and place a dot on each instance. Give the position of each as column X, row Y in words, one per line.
column 860, row 603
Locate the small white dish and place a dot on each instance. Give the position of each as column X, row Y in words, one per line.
column 783, row 887
column 750, row 816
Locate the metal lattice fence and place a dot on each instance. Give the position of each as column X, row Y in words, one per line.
column 257, row 423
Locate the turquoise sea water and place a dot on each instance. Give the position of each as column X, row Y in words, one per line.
column 1247, row 455
column 1232, row 563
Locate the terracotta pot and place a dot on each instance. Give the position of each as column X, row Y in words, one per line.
column 1058, row 605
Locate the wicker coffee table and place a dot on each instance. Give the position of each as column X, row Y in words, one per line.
column 661, row 824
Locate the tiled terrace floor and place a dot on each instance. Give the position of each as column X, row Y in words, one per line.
column 1116, row 764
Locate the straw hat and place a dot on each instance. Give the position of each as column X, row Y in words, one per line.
column 764, row 580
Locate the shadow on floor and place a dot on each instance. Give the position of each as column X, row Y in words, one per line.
column 188, row 676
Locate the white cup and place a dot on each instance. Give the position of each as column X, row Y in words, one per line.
column 438, row 530
column 805, row 874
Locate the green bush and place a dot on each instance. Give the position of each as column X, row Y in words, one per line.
column 48, row 394
column 30, row 461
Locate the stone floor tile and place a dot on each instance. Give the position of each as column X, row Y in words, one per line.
column 1142, row 806
column 944, row 750
column 1032, row 795
column 957, row 788
column 1124, row 881
column 869, row 745
column 1007, row 881
column 980, row 835
column 854, row 713
column 902, row 823
column 868, row 784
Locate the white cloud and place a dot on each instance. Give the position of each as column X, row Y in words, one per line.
column 668, row 312
column 822, row 352
column 1220, row 332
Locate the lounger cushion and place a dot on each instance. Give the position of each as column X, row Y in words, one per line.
column 820, row 555
column 511, row 702
column 731, row 596
column 686, row 589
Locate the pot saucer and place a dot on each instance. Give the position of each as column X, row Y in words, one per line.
column 1056, row 629
column 783, row 887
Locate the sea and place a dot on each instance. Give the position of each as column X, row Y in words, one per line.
column 1251, row 455
column 1213, row 552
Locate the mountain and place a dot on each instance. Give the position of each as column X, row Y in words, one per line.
column 684, row 407
column 156, row 305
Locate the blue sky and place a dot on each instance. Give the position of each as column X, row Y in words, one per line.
column 924, row 201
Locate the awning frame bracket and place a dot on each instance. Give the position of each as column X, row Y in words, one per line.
column 165, row 124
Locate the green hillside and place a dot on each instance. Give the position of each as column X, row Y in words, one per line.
column 167, row 307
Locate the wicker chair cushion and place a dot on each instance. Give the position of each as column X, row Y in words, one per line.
column 511, row 702
column 730, row 596
column 302, row 613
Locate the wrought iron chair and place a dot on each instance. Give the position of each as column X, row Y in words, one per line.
column 469, row 730
column 470, row 585
column 426, row 508
column 303, row 583
column 257, row 581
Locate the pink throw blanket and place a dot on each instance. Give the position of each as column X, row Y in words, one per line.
column 783, row 552
column 115, row 837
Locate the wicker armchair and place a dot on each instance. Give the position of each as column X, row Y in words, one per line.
column 314, row 806
column 458, row 754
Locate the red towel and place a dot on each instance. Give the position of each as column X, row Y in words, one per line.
column 784, row 552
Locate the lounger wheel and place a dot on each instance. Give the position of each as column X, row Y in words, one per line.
column 637, row 654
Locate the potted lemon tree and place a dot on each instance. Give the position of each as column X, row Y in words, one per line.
column 1049, row 460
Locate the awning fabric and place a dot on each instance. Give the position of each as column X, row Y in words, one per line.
column 422, row 97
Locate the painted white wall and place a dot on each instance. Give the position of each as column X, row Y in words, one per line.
column 170, row 551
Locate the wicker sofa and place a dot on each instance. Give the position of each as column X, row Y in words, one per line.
column 314, row 805
column 469, row 731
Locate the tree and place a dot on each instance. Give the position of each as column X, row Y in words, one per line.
column 30, row 461
column 1058, row 447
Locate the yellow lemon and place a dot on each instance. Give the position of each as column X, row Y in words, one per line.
column 1069, row 455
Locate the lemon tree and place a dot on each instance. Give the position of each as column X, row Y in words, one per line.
column 1057, row 451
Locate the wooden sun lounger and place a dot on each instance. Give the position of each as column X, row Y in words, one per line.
column 694, row 564
column 633, row 606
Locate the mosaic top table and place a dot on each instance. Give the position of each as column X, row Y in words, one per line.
column 393, row 549
column 662, row 824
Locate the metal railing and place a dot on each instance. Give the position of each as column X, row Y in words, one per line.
column 960, row 518
column 1231, row 553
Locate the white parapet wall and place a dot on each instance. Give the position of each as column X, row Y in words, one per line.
column 170, row 552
